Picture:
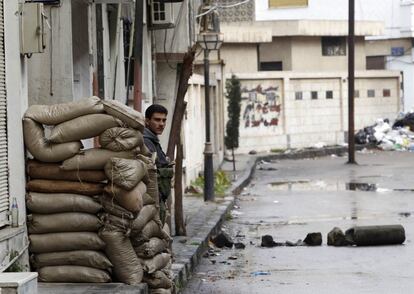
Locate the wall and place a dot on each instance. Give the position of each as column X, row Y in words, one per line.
column 232, row 54
column 307, row 56
column 82, row 79
column 279, row 50
column 16, row 83
column 389, row 11
column 273, row 117
column 50, row 74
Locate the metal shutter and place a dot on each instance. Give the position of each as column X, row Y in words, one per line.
column 4, row 171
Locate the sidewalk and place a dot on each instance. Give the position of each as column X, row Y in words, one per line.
column 203, row 219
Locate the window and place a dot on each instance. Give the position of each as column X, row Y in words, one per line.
column 375, row 62
column 333, row 46
column 314, row 95
column 298, row 96
column 356, row 94
column 271, row 65
column 287, row 3
column 329, row 94
column 371, row 93
column 386, row 93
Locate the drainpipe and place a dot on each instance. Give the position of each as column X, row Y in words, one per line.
column 139, row 27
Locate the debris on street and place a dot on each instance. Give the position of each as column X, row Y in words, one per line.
column 222, row 240
column 337, row 238
column 260, row 273
column 376, row 235
column 313, row 239
column 239, row 245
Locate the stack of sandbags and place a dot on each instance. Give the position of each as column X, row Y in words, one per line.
column 118, row 175
column 132, row 222
column 63, row 225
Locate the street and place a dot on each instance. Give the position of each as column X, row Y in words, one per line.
column 289, row 199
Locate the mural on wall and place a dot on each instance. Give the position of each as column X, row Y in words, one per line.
column 260, row 106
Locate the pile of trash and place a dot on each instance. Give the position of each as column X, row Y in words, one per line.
column 399, row 137
column 93, row 214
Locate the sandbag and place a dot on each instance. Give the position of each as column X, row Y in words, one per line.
column 112, row 222
column 156, row 263
column 56, row 242
column 120, row 252
column 87, row 258
column 166, row 229
column 34, row 139
column 51, row 171
column 125, row 173
column 146, row 214
column 55, row 203
column 376, row 235
column 93, row 159
column 130, row 200
column 49, row 186
column 157, row 280
column 129, row 116
column 83, row 127
column 151, row 248
column 62, row 222
column 58, row 113
column 111, row 206
column 152, row 229
column 147, row 199
column 72, row 274
column 121, row 139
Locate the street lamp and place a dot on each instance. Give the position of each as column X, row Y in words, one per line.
column 209, row 38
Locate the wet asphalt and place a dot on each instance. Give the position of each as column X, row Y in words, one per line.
column 290, row 198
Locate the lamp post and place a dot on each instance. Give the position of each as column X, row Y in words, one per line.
column 209, row 39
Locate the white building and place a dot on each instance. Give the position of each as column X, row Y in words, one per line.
column 391, row 49
column 292, row 60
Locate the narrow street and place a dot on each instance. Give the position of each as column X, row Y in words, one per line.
column 290, row 198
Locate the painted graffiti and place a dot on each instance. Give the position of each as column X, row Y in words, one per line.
column 261, row 106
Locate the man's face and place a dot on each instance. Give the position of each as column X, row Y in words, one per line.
column 156, row 123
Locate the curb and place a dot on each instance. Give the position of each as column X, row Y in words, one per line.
column 184, row 267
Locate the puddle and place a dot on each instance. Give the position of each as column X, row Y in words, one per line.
column 308, row 185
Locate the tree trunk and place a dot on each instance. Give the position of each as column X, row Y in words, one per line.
column 234, row 160
column 185, row 74
column 178, row 193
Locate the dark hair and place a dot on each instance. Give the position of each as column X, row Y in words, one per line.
column 155, row 108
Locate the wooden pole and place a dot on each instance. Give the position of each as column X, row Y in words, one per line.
column 180, row 229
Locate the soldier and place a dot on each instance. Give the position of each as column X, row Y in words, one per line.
column 155, row 122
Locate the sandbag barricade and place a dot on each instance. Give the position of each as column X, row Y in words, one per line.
column 93, row 215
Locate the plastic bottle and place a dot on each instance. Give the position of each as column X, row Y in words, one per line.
column 14, row 214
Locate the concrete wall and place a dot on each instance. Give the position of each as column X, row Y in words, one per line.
column 14, row 241
column 273, row 116
column 307, row 56
column 232, row 54
column 50, row 74
column 279, row 50
column 395, row 13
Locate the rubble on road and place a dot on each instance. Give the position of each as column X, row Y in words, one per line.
column 313, row 239
column 222, row 240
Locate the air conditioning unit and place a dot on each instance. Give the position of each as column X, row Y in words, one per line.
column 162, row 14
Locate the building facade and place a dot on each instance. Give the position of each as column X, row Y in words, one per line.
column 294, row 75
